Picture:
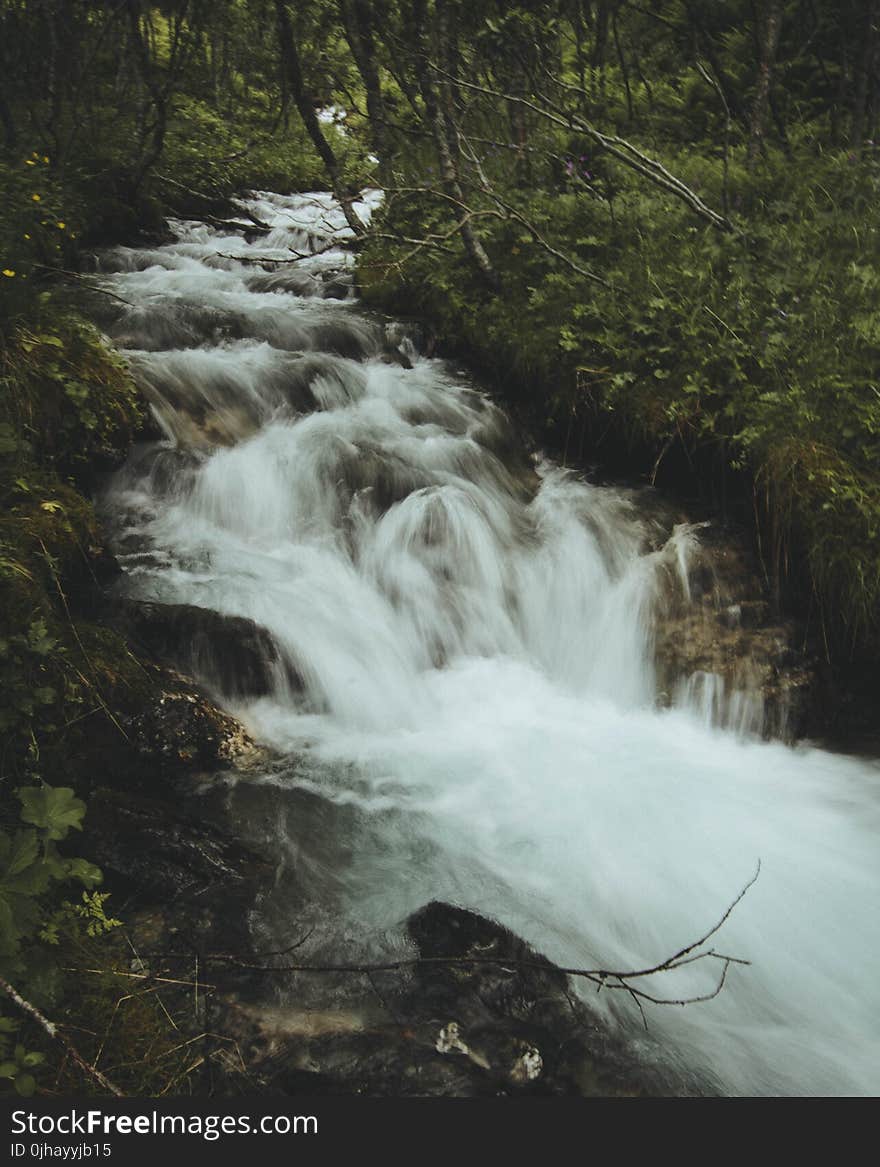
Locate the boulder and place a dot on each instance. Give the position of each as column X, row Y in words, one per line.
column 434, row 1030
column 232, row 655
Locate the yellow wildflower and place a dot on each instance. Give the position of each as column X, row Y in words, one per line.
column 26, row 236
column 60, row 226
column 8, row 272
column 45, row 157
column 29, row 162
column 36, row 198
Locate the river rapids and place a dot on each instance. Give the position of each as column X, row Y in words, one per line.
column 464, row 698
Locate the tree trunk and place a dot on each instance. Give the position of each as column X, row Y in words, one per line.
column 293, row 72
column 623, row 67
column 705, row 42
column 862, row 95
column 771, row 26
column 600, row 48
column 445, row 148
column 6, row 119
column 357, row 20
column 153, row 141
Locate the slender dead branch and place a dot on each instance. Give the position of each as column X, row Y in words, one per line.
column 725, row 182
column 504, row 211
column 609, row 979
column 53, row 1031
column 93, row 684
column 84, row 279
column 621, row 149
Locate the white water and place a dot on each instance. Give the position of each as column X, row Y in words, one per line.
column 474, row 643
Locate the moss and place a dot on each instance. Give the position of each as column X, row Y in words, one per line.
column 67, row 403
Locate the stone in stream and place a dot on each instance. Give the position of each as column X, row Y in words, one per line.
column 719, row 648
column 436, row 1030
column 231, row 654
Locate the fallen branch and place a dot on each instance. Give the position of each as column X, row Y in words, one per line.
column 50, row 1028
column 603, row 978
column 87, row 280
column 234, row 225
column 296, row 256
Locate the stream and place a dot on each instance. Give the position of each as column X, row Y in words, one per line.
column 464, row 693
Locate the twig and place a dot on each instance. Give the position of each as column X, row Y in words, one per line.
column 74, row 275
column 618, row 147
column 603, row 978
column 114, row 972
column 50, row 1028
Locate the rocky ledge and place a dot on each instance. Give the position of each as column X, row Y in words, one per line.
column 718, row 638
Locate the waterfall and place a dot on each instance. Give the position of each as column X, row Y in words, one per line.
column 464, row 674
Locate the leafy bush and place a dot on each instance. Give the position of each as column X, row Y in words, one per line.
column 37, row 230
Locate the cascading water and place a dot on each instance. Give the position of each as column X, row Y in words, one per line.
column 464, row 684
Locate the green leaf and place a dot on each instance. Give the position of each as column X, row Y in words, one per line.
column 87, row 873
column 56, row 809
column 22, row 852
column 9, row 934
column 39, row 640
column 25, row 1085
column 32, row 881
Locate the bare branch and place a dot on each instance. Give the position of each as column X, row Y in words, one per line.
column 602, row 978
column 619, row 148
column 53, row 1031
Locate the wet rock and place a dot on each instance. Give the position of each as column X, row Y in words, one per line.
column 718, row 646
column 394, row 356
column 234, row 656
column 183, row 729
column 446, row 1030
column 164, row 850
column 336, row 285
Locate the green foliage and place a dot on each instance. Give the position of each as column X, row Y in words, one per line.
column 65, row 399
column 30, row 866
column 67, row 406
column 36, row 231
column 31, row 921
column 16, row 1062
column 747, row 355
column 211, row 153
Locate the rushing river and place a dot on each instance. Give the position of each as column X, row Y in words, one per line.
column 464, row 682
